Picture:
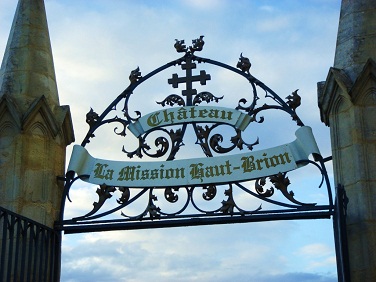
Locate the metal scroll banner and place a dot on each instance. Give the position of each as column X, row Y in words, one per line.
column 195, row 171
column 190, row 114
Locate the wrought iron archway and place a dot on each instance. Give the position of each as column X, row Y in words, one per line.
column 211, row 143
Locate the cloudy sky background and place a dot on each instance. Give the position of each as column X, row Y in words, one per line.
column 291, row 45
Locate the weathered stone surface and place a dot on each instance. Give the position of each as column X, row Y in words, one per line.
column 34, row 128
column 361, row 250
column 347, row 104
column 356, row 40
column 27, row 70
column 31, row 160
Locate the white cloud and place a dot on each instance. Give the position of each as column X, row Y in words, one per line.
column 317, row 256
column 181, row 254
column 267, row 8
column 204, row 5
column 315, row 250
column 280, row 23
column 317, row 264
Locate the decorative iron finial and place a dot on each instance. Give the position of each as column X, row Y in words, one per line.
column 197, row 44
column 294, row 100
column 180, row 46
column 244, row 63
column 91, row 117
column 135, row 75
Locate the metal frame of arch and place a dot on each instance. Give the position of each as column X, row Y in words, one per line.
column 168, row 146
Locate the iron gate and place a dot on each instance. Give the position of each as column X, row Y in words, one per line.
column 29, row 250
column 168, row 136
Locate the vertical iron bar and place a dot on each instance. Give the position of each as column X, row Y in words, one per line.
column 56, row 254
column 24, row 250
column 36, row 253
column 47, row 271
column 17, row 257
column 29, row 272
column 327, row 181
column 340, row 235
column 42, row 254
column 3, row 245
column 10, row 245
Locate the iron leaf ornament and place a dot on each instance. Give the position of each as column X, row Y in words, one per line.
column 91, row 117
column 244, row 63
column 135, row 75
column 211, row 192
column 229, row 204
column 280, row 181
column 172, row 100
column 170, row 195
column 207, row 97
column 125, row 195
column 197, row 45
column 294, row 100
column 180, row 46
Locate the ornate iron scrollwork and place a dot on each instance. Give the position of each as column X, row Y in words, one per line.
column 172, row 100
column 211, row 137
column 205, row 97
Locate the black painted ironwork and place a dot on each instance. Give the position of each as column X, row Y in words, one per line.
column 340, row 234
column 210, row 138
column 29, row 250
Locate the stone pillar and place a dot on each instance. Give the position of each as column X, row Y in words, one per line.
column 34, row 128
column 34, row 133
column 347, row 101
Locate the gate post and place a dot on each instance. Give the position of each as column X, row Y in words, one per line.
column 347, row 101
column 34, row 128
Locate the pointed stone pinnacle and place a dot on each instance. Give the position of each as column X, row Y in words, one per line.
column 27, row 70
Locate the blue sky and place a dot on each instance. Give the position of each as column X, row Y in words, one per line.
column 291, row 45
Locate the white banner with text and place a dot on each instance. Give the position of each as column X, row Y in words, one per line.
column 195, row 171
column 190, row 114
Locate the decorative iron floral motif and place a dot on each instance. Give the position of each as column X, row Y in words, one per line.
column 294, row 100
column 244, row 63
column 280, row 182
column 135, row 75
column 229, row 204
column 180, row 46
column 205, row 97
column 152, row 209
column 197, row 44
column 259, row 187
column 125, row 195
column 172, row 100
column 211, row 192
column 91, row 117
column 104, row 193
column 170, row 195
